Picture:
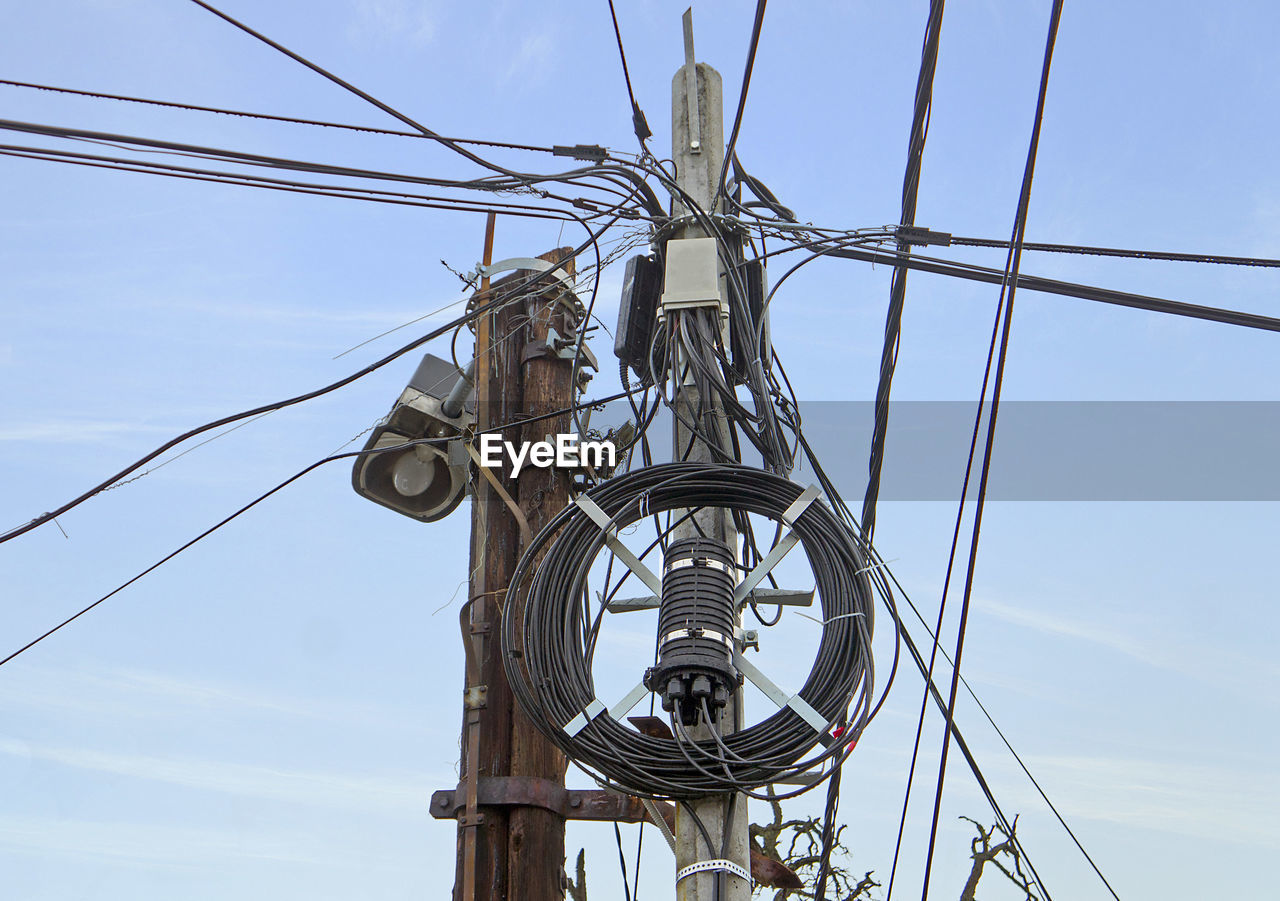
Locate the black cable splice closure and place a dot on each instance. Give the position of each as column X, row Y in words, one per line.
column 550, row 627
column 696, row 619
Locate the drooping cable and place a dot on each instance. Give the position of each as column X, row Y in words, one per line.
column 936, row 632
column 637, row 182
column 206, row 533
column 370, row 195
column 881, row 575
column 1009, row 286
column 902, row 592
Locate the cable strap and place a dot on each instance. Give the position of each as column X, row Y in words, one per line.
column 704, row 866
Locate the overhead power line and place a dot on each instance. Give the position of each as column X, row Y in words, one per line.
column 892, row 337
column 1127, row 254
column 1009, row 286
column 370, row 129
column 638, row 121
column 902, row 592
column 369, row 98
column 756, row 26
column 1065, row 289
column 898, row 284
column 294, row 187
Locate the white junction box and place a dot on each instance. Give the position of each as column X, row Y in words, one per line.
column 692, row 277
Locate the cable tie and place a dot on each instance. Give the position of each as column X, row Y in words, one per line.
column 705, row 866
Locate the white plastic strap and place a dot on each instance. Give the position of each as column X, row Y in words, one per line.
column 704, row 866
column 620, row 550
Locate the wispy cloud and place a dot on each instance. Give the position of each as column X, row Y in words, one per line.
column 1196, row 800
column 1225, row 666
column 175, row 846
column 395, row 21
column 76, row 431
column 1074, row 628
column 532, row 59
column 402, row 793
column 120, row 692
column 304, row 314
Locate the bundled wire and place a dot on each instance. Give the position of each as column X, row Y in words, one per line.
column 547, row 630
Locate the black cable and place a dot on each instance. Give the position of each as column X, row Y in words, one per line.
column 1003, row 738
column 207, row 532
column 1065, row 289
column 898, row 283
column 426, row 132
column 889, row 354
column 262, row 497
column 1127, row 254
column 622, row 862
column 269, row 117
column 1010, row 285
column 961, row 743
column 638, row 121
column 550, row 677
column 742, row 100
column 373, row 195
column 604, row 173
column 447, row 142
column 936, row 632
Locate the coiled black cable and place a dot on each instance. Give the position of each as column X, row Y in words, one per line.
column 544, row 651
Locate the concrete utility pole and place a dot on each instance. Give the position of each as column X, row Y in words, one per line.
column 510, row 839
column 697, row 147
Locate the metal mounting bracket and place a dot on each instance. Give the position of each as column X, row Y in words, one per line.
column 620, row 550
column 528, row 791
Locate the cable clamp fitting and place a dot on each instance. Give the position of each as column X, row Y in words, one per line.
column 701, row 563
column 709, row 634
column 705, row 866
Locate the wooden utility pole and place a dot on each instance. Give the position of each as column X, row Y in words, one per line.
column 697, row 147
column 510, row 837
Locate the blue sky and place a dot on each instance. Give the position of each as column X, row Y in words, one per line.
column 270, row 711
